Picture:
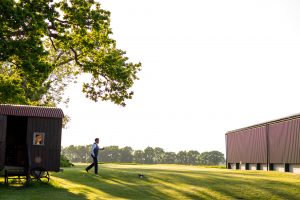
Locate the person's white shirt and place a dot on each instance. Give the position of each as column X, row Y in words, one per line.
column 93, row 148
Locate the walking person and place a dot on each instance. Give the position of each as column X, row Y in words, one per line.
column 94, row 154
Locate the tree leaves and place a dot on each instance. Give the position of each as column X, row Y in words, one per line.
column 149, row 155
column 51, row 43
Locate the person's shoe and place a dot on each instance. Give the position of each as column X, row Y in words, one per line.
column 86, row 170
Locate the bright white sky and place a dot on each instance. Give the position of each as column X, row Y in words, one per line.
column 208, row 67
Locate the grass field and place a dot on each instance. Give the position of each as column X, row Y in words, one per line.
column 117, row 181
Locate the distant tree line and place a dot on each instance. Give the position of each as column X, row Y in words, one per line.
column 147, row 156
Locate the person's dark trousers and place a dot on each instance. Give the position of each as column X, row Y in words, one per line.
column 94, row 164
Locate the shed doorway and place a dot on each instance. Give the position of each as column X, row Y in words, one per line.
column 16, row 146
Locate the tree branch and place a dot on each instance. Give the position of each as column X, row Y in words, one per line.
column 18, row 33
column 59, row 55
column 88, row 22
column 51, row 40
column 76, row 57
column 65, row 62
column 54, row 35
column 15, row 64
column 61, row 21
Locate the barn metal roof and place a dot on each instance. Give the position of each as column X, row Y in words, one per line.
column 295, row 116
column 31, row 111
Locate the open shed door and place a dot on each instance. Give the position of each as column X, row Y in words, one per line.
column 3, row 122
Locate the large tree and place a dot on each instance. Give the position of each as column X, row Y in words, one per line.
column 110, row 154
column 44, row 44
column 192, row 157
column 126, row 154
column 182, row 157
column 139, row 156
column 149, row 155
column 159, row 154
column 211, row 158
column 169, row 158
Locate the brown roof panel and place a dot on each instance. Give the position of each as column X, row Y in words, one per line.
column 284, row 142
column 31, row 111
column 247, row 146
column 296, row 116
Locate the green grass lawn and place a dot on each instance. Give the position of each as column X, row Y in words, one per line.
column 117, row 181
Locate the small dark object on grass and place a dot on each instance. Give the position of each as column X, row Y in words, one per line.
column 141, row 175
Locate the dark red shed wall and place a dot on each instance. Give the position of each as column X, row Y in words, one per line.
column 47, row 155
column 284, row 142
column 3, row 121
column 247, row 146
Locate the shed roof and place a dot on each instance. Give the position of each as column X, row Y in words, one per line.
column 31, row 111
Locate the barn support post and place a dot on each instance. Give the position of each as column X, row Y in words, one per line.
column 268, row 151
column 226, row 153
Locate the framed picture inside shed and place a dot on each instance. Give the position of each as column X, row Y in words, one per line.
column 38, row 138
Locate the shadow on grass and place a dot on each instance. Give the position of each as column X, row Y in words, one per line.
column 236, row 185
column 239, row 188
column 158, row 184
column 205, row 184
column 126, row 184
column 120, row 186
column 35, row 190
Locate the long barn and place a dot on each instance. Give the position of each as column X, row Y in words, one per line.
column 273, row 145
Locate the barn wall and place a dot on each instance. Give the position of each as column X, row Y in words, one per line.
column 278, row 167
column 243, row 166
column 233, row 165
column 295, row 168
column 252, row 167
column 247, row 146
column 276, row 143
column 284, row 142
column 3, row 124
column 47, row 155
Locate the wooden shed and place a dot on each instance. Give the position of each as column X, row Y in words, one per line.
column 30, row 137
